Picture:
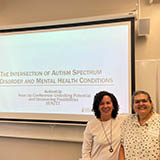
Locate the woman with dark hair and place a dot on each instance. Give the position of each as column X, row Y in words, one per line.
column 102, row 134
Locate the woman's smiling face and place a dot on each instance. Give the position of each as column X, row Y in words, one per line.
column 106, row 107
column 142, row 105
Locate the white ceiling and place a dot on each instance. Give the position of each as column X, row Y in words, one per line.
column 35, row 11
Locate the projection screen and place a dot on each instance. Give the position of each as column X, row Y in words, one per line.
column 51, row 73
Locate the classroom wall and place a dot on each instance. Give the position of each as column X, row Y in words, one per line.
column 63, row 142
column 29, row 141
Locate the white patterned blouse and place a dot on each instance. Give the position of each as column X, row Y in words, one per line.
column 141, row 142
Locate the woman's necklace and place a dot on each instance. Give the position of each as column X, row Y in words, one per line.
column 110, row 142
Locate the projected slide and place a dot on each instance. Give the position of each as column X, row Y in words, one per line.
column 60, row 71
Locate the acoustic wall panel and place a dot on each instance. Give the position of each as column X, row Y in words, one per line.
column 147, row 78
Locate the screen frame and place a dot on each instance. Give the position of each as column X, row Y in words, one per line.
column 11, row 117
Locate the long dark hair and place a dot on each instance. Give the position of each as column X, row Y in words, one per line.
column 97, row 99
